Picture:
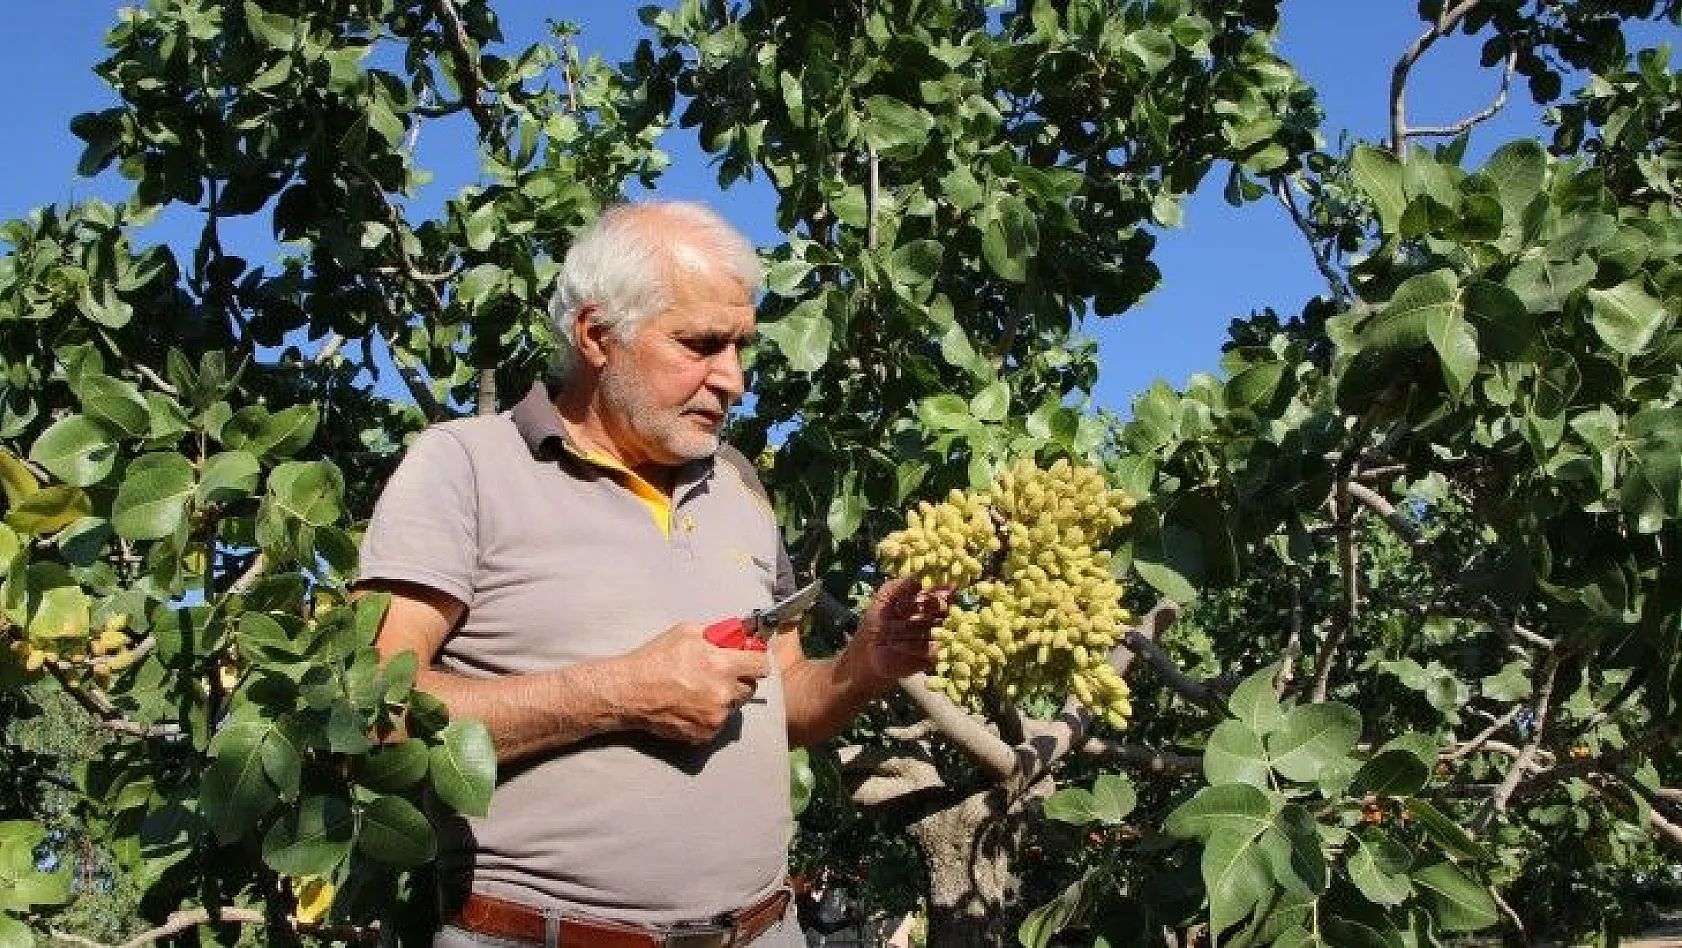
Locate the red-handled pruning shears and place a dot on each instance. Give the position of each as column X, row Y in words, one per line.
column 753, row 632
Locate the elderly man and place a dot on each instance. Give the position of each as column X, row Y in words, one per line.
column 554, row 568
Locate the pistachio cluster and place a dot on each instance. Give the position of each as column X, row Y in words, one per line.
column 103, row 654
column 1038, row 610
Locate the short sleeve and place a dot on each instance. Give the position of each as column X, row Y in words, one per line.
column 425, row 524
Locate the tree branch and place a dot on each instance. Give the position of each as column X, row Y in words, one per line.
column 1502, row 797
column 1395, row 519
column 1348, row 559
column 1139, row 757
column 1467, row 748
column 1282, row 191
column 1198, row 692
column 961, row 727
column 468, row 76
column 146, row 372
column 1050, row 741
column 1399, row 75
column 1466, row 124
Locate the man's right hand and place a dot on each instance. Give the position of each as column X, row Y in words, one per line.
column 685, row 688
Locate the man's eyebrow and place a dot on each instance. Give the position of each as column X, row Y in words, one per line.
column 721, row 337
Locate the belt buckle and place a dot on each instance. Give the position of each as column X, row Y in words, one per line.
column 717, row 933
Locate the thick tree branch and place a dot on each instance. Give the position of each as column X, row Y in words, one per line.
column 961, row 727
column 1445, row 25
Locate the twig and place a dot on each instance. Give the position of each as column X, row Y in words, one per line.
column 329, row 349
column 468, row 76
column 1397, row 521
column 961, row 727
column 872, row 198
column 911, row 732
column 1502, row 797
column 182, row 921
column 1470, row 747
column 253, row 570
column 1198, row 692
column 567, row 52
column 1399, row 75
column 146, row 372
column 1282, row 190
column 1449, row 131
column 1512, row 916
column 1293, row 643
column 1140, row 757
column 1348, row 559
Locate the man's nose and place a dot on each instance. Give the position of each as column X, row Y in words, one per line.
column 727, row 376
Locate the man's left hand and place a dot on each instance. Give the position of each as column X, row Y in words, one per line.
column 892, row 640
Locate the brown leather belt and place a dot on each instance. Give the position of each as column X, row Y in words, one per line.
column 488, row 915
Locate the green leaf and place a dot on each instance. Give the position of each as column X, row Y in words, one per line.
column 802, row 780
column 464, row 767
column 1228, row 803
column 16, row 478
column 1043, row 924
column 1235, row 873
column 890, row 123
column 1519, row 170
column 1255, row 703
column 1511, row 683
column 229, row 476
column 113, row 402
column 272, row 28
column 1255, row 385
column 1457, row 348
column 481, row 226
column 62, row 613
column 915, row 263
column 1626, row 317
column 1545, row 285
column 49, row 510
column 1391, row 773
column 1235, row 754
column 152, row 501
column 1378, row 867
column 307, row 491
column 1506, row 329
column 393, row 767
column 1153, row 49
column 944, row 413
column 803, row 336
column 395, row 833
column 1313, row 736
column 1445, row 832
column 1010, row 237
column 1459, row 904
column 1379, row 176
column 313, row 839
column 991, row 403
column 235, row 792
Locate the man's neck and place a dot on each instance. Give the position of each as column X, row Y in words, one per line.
column 589, row 432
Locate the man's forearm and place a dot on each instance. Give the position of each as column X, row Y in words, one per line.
column 824, row 695
column 538, row 714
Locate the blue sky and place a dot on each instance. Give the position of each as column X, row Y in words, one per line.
column 1221, row 263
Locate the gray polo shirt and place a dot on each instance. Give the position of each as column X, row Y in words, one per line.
column 558, row 562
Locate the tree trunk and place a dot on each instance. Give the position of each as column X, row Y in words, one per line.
column 970, row 851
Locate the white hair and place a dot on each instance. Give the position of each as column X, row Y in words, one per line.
column 623, row 262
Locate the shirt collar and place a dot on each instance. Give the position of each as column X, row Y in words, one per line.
column 539, row 424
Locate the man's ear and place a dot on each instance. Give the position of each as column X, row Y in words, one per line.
column 590, row 336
